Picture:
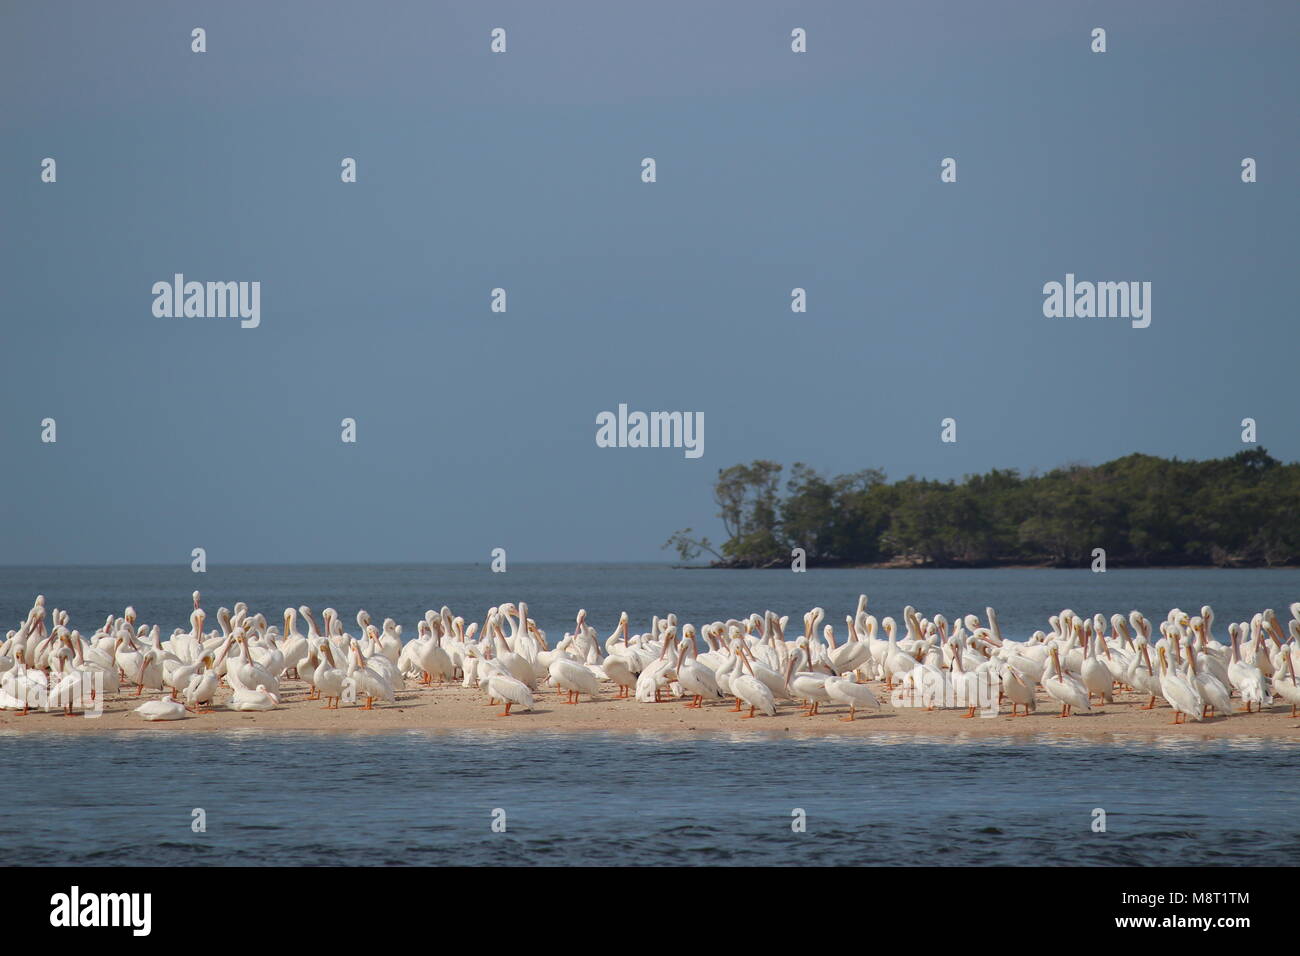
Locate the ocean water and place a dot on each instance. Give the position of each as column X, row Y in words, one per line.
column 430, row 797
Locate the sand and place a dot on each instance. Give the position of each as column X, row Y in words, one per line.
column 453, row 708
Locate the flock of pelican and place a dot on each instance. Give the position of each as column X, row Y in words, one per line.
column 751, row 661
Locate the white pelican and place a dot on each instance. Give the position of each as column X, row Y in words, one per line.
column 294, row 646
column 370, row 679
column 751, row 690
column 619, row 670
column 1096, row 676
column 429, row 655
column 1142, row 676
column 696, row 678
column 1181, row 695
column 164, row 708
column 390, row 640
column 257, row 699
column 658, row 674
column 69, row 685
column 573, row 677
column 807, row 686
column 1066, row 688
column 328, row 679
column 1019, row 690
column 244, row 672
column 1284, row 683
column 966, row 683
column 846, row 691
column 177, row 676
column 1214, row 695
column 1246, row 677
column 519, row 666
column 509, row 690
column 202, row 688
column 854, row 652
column 897, row 661
column 22, row 686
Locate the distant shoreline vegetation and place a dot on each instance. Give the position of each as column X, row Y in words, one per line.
column 1144, row 511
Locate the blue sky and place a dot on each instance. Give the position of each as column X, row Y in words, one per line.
column 522, row 170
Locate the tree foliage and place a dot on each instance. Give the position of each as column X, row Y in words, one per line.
column 1143, row 510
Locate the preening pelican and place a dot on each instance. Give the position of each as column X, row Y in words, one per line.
column 573, row 677
column 1019, row 690
column 1065, row 688
column 510, row 691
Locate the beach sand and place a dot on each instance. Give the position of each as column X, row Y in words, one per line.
column 451, row 708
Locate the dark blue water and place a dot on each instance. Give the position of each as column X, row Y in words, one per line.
column 416, row 798
column 554, row 592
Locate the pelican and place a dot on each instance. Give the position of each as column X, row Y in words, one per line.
column 619, row 670
column 1019, row 690
column 244, row 672
column 202, row 687
column 510, row 691
column 22, row 687
column 897, row 661
column 845, row 691
column 257, row 699
column 164, row 708
column 852, row 654
column 370, row 679
column 1066, row 688
column 177, row 677
column 807, row 686
column 1181, row 695
column 574, row 678
column 1214, row 695
column 652, row 679
column 429, row 655
column 328, row 679
column 294, row 646
column 1284, row 683
column 696, row 678
column 1246, row 677
column 750, row 689
column 1096, row 676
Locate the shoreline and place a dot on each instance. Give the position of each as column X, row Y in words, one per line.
column 450, row 708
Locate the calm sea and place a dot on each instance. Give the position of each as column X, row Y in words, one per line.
column 432, row 798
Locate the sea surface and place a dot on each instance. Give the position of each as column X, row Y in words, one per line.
column 433, row 797
column 597, row 799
